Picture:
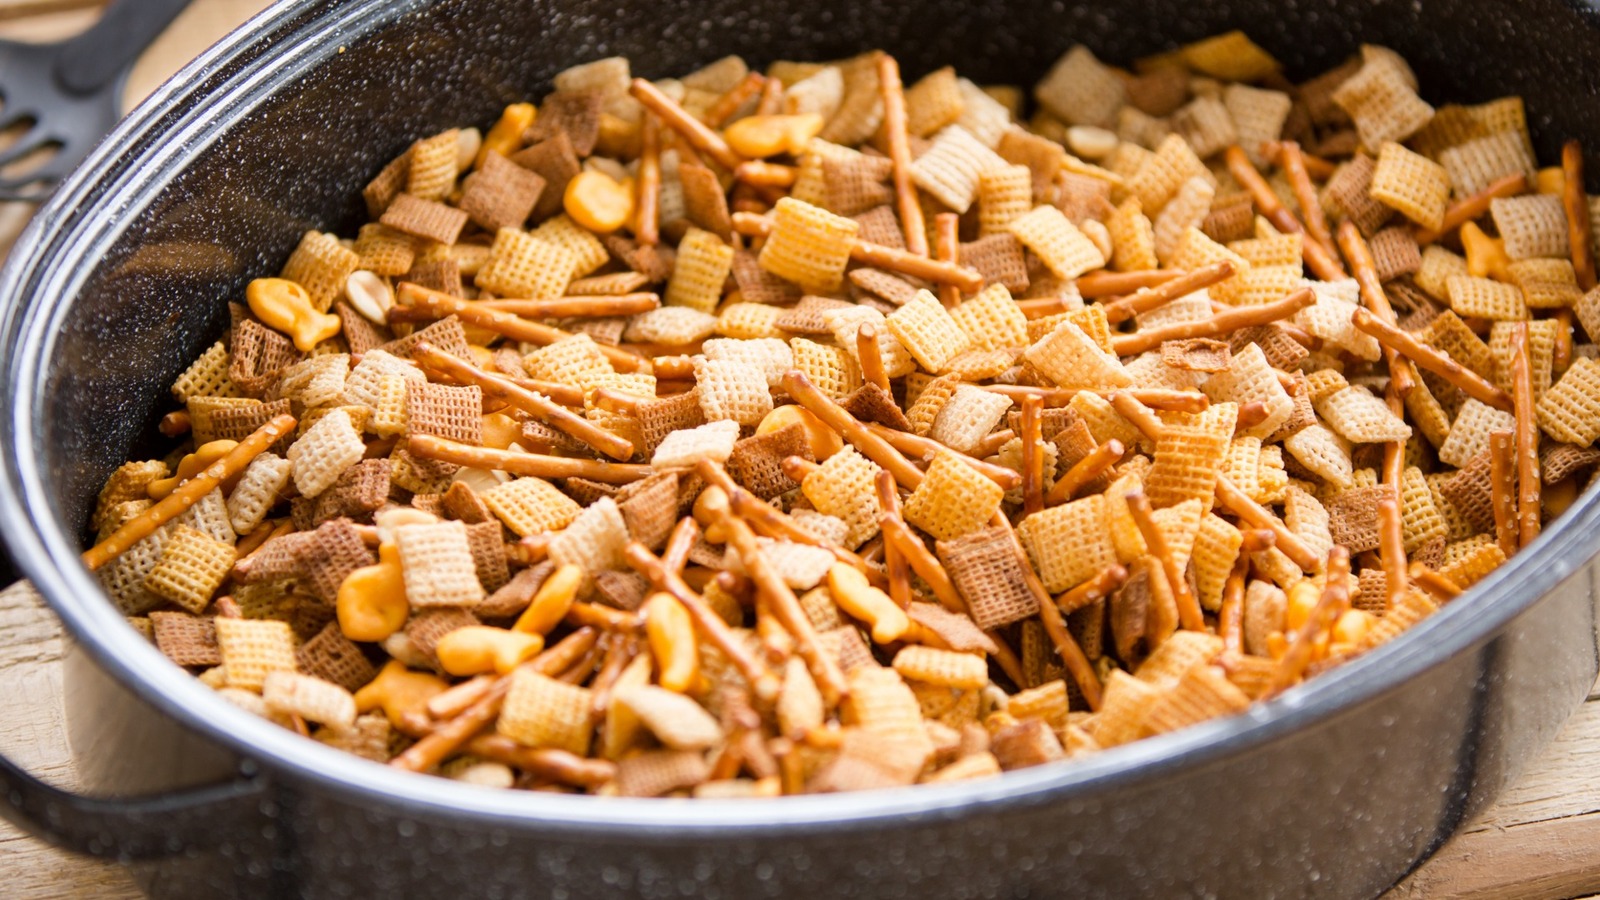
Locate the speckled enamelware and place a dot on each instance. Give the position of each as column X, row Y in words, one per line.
column 1336, row 789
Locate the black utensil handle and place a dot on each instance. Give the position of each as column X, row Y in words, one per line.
column 91, row 60
column 127, row 829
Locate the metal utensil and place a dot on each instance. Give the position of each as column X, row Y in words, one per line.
column 65, row 96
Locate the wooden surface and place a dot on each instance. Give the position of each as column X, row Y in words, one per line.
column 1541, row 841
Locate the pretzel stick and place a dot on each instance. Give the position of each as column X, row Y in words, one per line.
column 678, row 119
column 899, row 570
column 514, row 327
column 189, row 493
column 443, row 742
column 775, row 523
column 1561, row 353
column 871, row 357
column 1441, row 587
column 1168, row 399
column 1221, row 323
column 1189, row 614
column 1040, row 307
column 586, row 306
column 1147, row 299
column 851, row 429
column 1468, row 208
column 880, row 257
column 766, row 174
column 1105, row 284
column 898, row 536
column 1359, row 253
column 729, row 103
column 619, row 652
column 1250, row 415
column 1240, row 504
column 1335, row 600
column 647, row 207
column 175, row 424
column 946, row 228
column 1318, row 259
column 906, row 442
column 1317, row 167
column 538, row 465
column 1576, row 201
column 248, row 543
column 786, row 607
column 456, row 699
column 1426, row 356
column 1137, row 414
column 899, row 144
column 1230, row 615
column 991, row 443
column 542, row 408
column 1096, row 463
column 1257, row 540
column 1527, row 433
column 1391, row 549
column 1032, row 456
column 1503, row 489
column 1072, row 655
column 1101, row 586
column 605, row 618
column 675, row 555
column 1305, row 193
column 706, row 620
column 530, row 551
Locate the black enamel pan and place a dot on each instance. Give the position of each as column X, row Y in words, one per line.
column 1335, row 789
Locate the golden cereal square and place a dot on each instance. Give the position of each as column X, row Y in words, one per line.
column 953, row 499
column 808, row 245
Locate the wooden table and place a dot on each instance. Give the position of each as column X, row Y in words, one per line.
column 1541, row 841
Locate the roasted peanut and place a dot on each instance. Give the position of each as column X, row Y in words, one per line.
column 370, row 295
column 285, row 306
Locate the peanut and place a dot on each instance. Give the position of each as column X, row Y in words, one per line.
column 370, row 295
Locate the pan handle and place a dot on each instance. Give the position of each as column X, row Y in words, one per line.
column 132, row 828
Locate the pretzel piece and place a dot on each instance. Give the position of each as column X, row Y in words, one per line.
column 1527, row 435
column 734, row 99
column 1467, row 209
column 1391, row 549
column 584, row 306
column 647, row 206
column 1189, row 614
column 1032, row 455
column 1434, row 583
column 870, row 355
column 1580, row 236
column 878, row 256
column 1078, row 665
column 947, row 231
column 1230, row 615
column 766, row 174
column 443, row 741
column 1503, row 489
column 894, row 562
column 1334, row 600
column 899, row 143
column 851, row 429
column 772, row 522
column 1428, row 357
column 1222, row 323
column 1318, row 259
column 1239, row 503
column 1102, row 585
column 442, row 304
column 1293, row 162
column 426, row 446
column 545, row 410
column 1359, row 253
column 1094, row 285
column 706, row 620
column 680, row 120
column 189, row 493
column 780, row 599
column 1150, row 298
column 1096, row 463
column 919, row 446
